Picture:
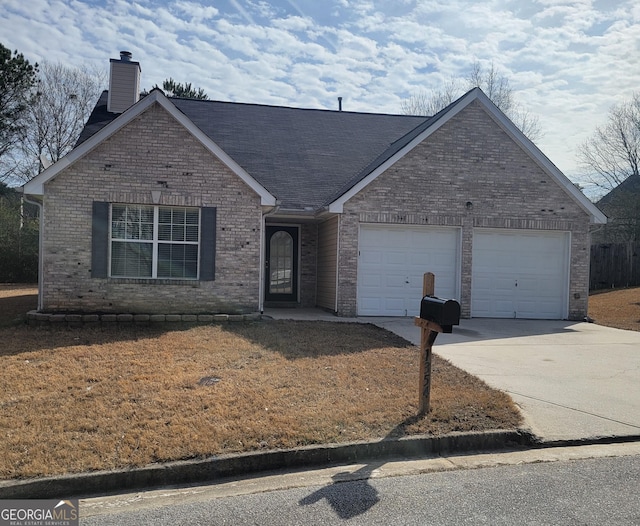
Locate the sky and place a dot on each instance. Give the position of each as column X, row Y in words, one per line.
column 567, row 61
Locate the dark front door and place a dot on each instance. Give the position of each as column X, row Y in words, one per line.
column 281, row 263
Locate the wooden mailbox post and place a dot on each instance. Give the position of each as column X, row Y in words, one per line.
column 428, row 332
column 436, row 315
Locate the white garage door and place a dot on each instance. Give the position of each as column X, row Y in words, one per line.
column 520, row 274
column 392, row 261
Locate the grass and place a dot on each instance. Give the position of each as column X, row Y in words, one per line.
column 75, row 400
column 15, row 302
column 618, row 308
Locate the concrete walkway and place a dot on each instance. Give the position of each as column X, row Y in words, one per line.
column 573, row 381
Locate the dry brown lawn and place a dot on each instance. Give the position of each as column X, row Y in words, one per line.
column 617, row 308
column 15, row 302
column 74, row 400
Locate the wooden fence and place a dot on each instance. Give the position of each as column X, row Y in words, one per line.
column 614, row 265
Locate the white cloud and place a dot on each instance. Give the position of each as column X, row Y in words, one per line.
column 568, row 61
column 196, row 11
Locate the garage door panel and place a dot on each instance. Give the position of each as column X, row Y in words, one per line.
column 519, row 274
column 408, row 252
column 502, row 308
column 371, row 281
column 446, row 283
column 483, row 281
column 372, row 257
column 483, row 304
column 394, row 281
column 394, row 257
column 369, row 303
column 527, row 310
column 394, row 306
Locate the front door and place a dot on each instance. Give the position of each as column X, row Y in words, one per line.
column 281, row 263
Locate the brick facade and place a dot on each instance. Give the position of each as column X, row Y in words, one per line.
column 126, row 168
column 468, row 174
column 470, row 159
column 308, row 264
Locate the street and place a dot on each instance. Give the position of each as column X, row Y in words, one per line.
column 555, row 486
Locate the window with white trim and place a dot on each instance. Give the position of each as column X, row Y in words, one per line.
column 154, row 241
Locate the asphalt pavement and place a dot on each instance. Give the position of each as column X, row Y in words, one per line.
column 590, row 485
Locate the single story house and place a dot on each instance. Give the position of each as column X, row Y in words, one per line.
column 169, row 205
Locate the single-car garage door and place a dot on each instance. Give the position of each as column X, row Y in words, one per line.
column 392, row 260
column 520, row 274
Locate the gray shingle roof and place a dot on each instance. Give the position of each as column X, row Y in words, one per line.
column 622, row 193
column 306, row 158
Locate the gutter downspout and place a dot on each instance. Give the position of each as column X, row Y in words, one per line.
column 263, row 228
column 40, row 243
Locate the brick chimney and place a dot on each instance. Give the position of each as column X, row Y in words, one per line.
column 124, row 83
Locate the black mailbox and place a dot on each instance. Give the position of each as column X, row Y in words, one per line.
column 445, row 313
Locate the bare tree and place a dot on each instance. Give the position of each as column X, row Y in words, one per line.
column 432, row 101
column 62, row 104
column 611, row 160
column 612, row 153
column 492, row 83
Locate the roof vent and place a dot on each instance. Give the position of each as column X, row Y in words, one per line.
column 124, row 83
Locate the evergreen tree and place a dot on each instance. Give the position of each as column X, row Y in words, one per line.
column 183, row 91
column 17, row 80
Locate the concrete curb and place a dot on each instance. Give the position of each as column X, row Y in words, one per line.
column 213, row 469
column 589, row 441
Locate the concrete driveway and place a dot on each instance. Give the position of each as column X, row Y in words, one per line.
column 572, row 380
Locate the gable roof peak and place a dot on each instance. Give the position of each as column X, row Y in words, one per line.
column 422, row 131
column 36, row 185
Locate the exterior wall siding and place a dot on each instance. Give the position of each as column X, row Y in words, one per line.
column 125, row 86
column 469, row 174
column 327, row 263
column 151, row 153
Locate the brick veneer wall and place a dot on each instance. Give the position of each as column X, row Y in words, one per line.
column 308, row 262
column 470, row 159
column 126, row 168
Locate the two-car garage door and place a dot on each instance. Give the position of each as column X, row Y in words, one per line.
column 515, row 273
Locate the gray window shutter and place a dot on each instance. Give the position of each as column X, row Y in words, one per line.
column 207, row 244
column 100, row 240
